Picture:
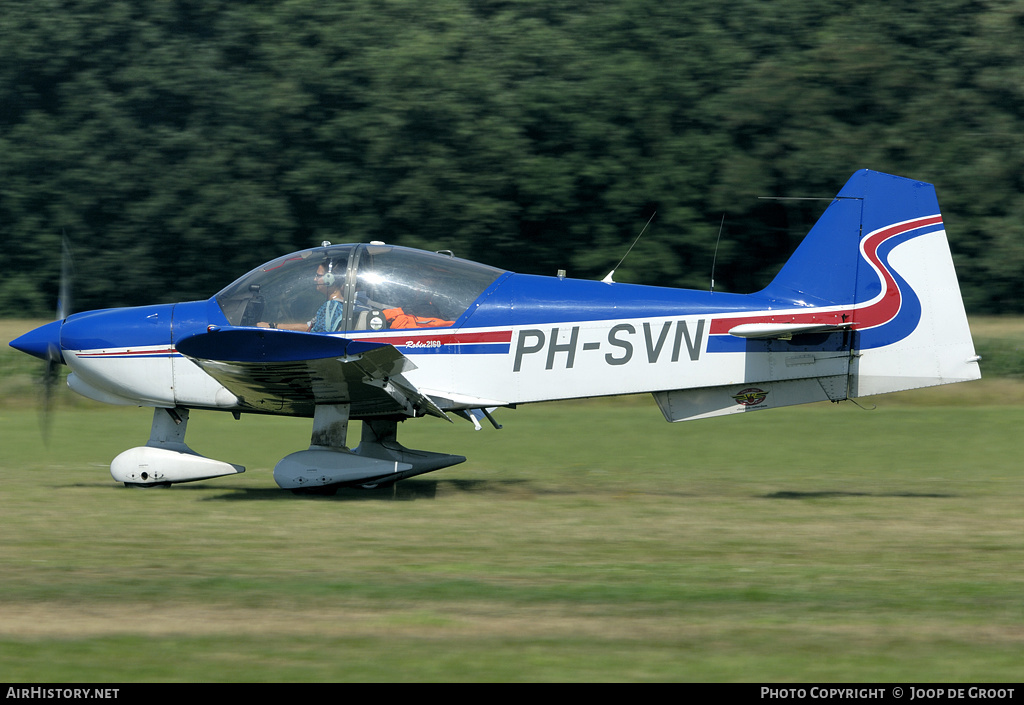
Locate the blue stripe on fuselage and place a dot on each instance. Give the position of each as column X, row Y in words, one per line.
column 530, row 300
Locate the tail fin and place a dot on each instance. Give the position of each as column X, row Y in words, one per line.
column 879, row 254
column 868, row 304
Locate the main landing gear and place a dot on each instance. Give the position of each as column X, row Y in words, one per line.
column 326, row 465
column 378, row 460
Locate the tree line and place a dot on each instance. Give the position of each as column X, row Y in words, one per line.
column 179, row 143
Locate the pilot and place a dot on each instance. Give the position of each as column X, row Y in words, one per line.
column 331, row 314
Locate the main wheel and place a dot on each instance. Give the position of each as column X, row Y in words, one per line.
column 318, row 491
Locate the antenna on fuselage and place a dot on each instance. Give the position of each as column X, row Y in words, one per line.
column 608, row 278
column 714, row 259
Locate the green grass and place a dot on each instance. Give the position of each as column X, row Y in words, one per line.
column 1000, row 342
column 585, row 541
column 582, row 542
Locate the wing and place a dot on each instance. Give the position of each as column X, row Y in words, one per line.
column 288, row 372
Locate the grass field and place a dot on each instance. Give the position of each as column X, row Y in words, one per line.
column 584, row 541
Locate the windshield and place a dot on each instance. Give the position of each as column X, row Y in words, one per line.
column 356, row 287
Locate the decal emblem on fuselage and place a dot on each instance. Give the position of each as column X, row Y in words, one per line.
column 751, row 396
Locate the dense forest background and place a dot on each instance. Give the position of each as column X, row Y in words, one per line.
column 179, row 143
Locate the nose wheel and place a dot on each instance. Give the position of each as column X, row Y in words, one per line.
column 165, row 459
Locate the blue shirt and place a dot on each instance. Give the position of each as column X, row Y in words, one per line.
column 329, row 317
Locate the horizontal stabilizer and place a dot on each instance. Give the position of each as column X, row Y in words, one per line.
column 706, row 402
column 784, row 331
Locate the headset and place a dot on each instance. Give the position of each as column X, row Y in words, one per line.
column 328, row 277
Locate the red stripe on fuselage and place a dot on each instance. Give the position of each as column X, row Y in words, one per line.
column 882, row 310
column 131, row 353
column 418, row 335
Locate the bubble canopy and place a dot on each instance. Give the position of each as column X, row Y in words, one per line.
column 375, row 286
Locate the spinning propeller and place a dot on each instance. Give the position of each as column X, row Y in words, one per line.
column 54, row 357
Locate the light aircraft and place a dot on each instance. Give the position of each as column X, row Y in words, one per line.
column 869, row 303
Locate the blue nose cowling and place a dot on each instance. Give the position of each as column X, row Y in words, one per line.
column 41, row 341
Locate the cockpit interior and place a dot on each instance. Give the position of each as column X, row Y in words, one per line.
column 360, row 287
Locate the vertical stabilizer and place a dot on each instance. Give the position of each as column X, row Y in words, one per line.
column 869, row 303
column 881, row 249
